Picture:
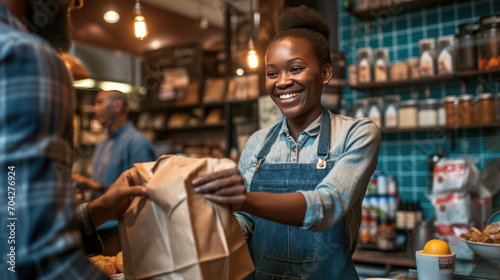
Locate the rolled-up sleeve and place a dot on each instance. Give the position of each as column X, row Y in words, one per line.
column 346, row 183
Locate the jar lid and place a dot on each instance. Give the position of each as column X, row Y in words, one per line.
column 410, row 102
column 450, row 98
column 468, row 28
column 466, row 97
column 485, row 95
column 490, row 20
column 430, row 101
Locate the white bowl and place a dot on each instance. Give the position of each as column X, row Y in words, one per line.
column 490, row 252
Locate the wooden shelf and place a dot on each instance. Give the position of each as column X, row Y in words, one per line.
column 406, row 83
column 194, row 128
column 388, row 259
column 396, row 9
column 397, row 130
column 458, row 77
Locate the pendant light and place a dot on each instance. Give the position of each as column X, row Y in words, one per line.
column 140, row 27
column 253, row 60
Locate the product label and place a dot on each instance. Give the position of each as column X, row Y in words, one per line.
column 446, row 265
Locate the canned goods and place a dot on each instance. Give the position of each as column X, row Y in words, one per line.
column 391, row 185
column 382, row 184
column 372, row 186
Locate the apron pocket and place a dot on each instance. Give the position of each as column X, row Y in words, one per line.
column 259, row 275
column 286, row 243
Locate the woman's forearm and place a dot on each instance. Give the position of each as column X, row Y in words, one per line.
column 285, row 208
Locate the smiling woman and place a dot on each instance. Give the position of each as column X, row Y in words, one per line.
column 300, row 183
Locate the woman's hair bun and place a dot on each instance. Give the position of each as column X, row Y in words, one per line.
column 302, row 17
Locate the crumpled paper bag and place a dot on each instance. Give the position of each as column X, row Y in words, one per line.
column 177, row 234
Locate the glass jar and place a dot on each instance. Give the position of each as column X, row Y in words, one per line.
column 427, row 113
column 451, row 111
column 465, row 109
column 486, row 108
column 489, row 43
column 391, row 115
column 441, row 113
column 407, row 114
column 467, row 46
column 375, row 115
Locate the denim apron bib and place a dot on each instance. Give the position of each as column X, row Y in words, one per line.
column 282, row 252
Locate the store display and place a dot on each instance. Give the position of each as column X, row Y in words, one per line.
column 428, row 114
column 445, row 59
column 178, row 120
column 190, row 96
column 407, row 114
column 489, row 43
column 365, row 65
column 362, row 5
column 214, row 116
column 467, row 46
column 400, row 71
column 391, row 111
column 441, row 113
column 375, row 110
column 486, row 108
column 175, row 80
column 381, row 64
column 465, row 105
column 385, row 3
column 451, row 110
column 413, row 64
column 360, row 108
column 374, row 4
column 427, row 57
column 214, row 90
column 353, row 74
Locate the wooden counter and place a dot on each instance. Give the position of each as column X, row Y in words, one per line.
column 387, row 259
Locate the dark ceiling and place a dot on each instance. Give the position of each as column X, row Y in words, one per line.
column 165, row 28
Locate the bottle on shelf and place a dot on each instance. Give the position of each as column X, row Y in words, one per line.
column 401, row 225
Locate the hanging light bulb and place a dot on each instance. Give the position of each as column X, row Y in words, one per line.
column 140, row 27
column 253, row 60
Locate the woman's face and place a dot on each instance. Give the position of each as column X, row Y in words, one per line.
column 294, row 78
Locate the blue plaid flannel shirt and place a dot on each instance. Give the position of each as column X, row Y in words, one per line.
column 39, row 237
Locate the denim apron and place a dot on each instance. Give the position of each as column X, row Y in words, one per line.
column 282, row 252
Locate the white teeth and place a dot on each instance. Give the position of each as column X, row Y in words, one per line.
column 289, row 95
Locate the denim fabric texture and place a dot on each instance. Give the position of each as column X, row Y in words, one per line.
column 321, row 248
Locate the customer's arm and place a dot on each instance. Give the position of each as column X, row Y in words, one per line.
column 109, row 206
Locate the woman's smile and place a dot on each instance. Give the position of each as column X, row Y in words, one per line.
column 289, row 97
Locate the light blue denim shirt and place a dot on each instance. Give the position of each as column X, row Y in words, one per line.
column 354, row 147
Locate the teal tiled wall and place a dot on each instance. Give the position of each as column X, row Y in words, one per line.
column 405, row 154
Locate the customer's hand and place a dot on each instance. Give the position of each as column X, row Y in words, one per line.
column 81, row 182
column 225, row 187
column 113, row 203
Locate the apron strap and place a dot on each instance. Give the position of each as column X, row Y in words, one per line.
column 323, row 145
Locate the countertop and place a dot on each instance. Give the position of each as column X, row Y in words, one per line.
column 464, row 269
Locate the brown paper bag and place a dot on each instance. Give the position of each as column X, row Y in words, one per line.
column 176, row 234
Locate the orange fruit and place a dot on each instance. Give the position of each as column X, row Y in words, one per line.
column 437, row 247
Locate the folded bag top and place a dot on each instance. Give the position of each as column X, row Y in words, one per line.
column 174, row 233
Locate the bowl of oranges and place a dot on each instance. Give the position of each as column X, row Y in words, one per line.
column 436, row 261
column 486, row 243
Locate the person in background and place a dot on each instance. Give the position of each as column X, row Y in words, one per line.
column 37, row 104
column 299, row 184
column 123, row 146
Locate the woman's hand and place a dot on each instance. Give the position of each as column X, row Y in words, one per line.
column 225, row 187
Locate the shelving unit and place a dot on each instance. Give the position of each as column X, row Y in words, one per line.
column 458, row 77
column 397, row 130
column 398, row 8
